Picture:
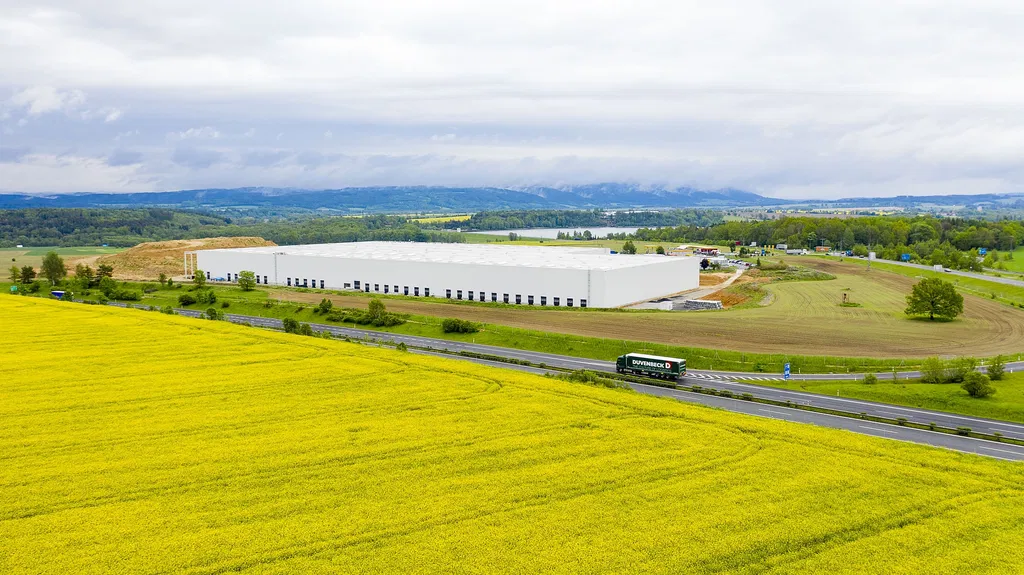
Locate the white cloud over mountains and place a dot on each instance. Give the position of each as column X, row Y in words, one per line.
column 786, row 98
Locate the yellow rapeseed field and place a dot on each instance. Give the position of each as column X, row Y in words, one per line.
column 134, row 442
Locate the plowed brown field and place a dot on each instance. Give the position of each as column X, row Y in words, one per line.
column 804, row 317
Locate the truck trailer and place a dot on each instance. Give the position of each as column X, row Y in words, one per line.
column 651, row 365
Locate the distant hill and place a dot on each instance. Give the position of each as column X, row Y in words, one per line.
column 407, row 199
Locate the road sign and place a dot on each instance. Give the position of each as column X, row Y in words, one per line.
column 785, row 371
column 982, row 251
column 905, row 257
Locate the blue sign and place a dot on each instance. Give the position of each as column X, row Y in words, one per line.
column 905, row 257
column 982, row 251
column 785, row 371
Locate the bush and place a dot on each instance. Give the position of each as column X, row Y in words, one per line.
column 290, row 325
column 401, row 346
column 186, row 299
column 454, row 325
column 225, row 304
column 978, row 385
column 304, row 329
column 167, row 310
column 997, row 369
column 963, row 431
column 933, row 370
column 325, row 306
column 959, row 368
column 212, row 313
column 870, row 379
column 205, row 296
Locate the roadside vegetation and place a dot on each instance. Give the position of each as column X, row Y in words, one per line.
column 1005, row 403
column 311, row 455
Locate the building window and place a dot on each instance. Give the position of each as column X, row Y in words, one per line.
column 568, row 301
column 529, row 299
column 396, row 289
column 356, row 283
column 366, row 287
column 305, row 283
column 426, row 292
column 257, row 279
column 376, row 287
column 385, row 288
column 448, row 293
column 207, row 275
column 416, row 291
column 494, row 297
column 471, row 295
column 583, row 303
column 405, row 291
column 289, row 282
column 504, row 298
column 321, row 284
column 458, row 294
column 265, row 280
column 543, row 300
column 519, row 299
column 554, row 300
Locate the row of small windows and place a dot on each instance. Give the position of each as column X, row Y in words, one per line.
column 505, row 298
column 471, row 295
column 303, row 282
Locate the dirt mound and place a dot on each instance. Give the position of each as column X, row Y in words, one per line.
column 148, row 260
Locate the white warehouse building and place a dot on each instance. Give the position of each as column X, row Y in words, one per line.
column 527, row 275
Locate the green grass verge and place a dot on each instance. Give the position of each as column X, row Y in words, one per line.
column 1006, row 404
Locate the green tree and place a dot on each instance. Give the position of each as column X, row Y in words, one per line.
column 247, row 280
column 162, row 279
column 376, row 310
column 212, row 313
column 933, row 370
column 27, row 274
column 935, row 297
column 660, row 251
column 978, row 385
column 959, row 368
column 104, row 271
column 199, row 279
column 629, row 247
column 704, row 263
column 870, row 379
column 14, row 274
column 84, row 275
column 290, row 325
column 997, row 369
column 54, row 269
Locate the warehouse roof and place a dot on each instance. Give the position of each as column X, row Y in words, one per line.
column 481, row 254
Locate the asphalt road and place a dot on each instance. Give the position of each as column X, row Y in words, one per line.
column 1007, row 281
column 722, row 381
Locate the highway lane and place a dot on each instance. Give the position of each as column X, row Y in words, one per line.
column 916, row 415
column 974, row 275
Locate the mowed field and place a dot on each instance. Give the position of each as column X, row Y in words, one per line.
column 804, row 318
column 134, row 442
column 72, row 256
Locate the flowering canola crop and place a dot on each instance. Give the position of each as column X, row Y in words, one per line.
column 134, row 442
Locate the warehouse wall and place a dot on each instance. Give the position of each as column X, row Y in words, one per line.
column 665, row 276
column 599, row 288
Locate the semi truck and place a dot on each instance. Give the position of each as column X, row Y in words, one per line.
column 651, row 365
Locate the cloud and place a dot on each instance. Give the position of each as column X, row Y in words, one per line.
column 39, row 100
column 12, row 155
column 822, row 98
column 203, row 133
column 196, row 158
column 124, row 158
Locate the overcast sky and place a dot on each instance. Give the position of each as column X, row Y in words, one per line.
column 786, row 98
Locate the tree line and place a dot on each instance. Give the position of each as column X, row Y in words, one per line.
column 528, row 219
column 129, row 227
column 952, row 242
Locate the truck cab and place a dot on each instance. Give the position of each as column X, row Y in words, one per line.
column 651, row 365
